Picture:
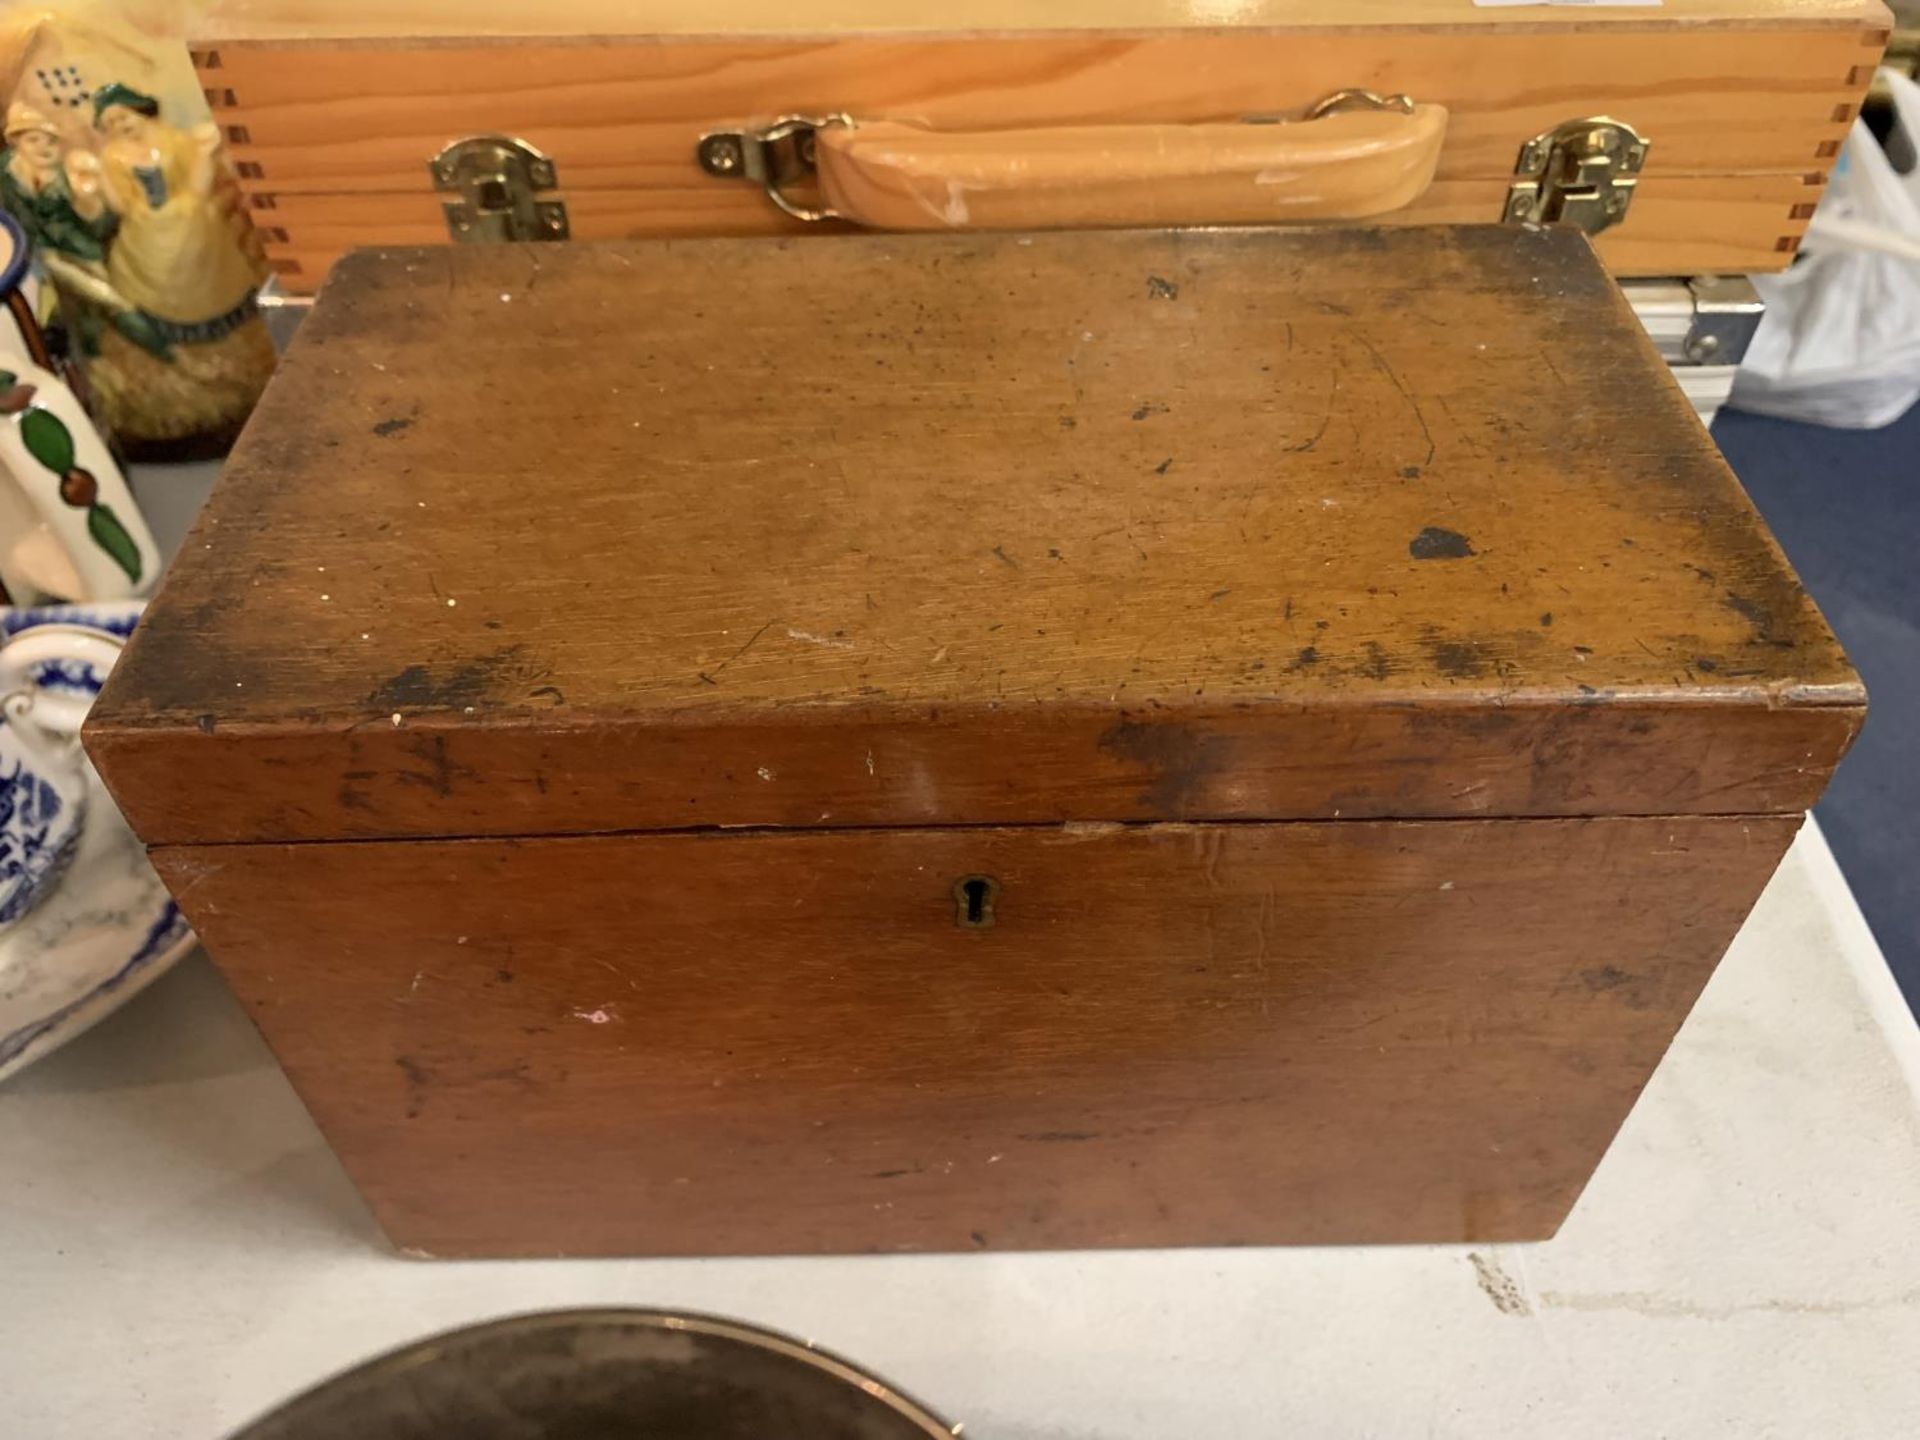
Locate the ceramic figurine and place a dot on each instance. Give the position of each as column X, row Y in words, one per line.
column 38, row 191
column 69, row 528
column 138, row 227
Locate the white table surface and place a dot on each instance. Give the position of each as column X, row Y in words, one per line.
column 179, row 1251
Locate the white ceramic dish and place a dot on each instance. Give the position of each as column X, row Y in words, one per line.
column 101, row 938
column 74, row 682
column 110, row 928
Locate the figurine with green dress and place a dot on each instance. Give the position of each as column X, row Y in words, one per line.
column 137, row 227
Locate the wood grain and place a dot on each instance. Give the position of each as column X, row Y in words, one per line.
column 243, row 19
column 618, row 114
column 1771, row 97
column 849, row 766
column 1693, row 225
column 1104, row 527
column 1347, row 165
column 771, row 1043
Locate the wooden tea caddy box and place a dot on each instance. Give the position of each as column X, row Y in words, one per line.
column 984, row 742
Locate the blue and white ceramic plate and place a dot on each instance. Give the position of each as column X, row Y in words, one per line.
column 72, row 680
column 108, row 931
column 116, row 617
column 102, row 937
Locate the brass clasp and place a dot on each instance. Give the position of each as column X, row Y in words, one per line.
column 1580, row 173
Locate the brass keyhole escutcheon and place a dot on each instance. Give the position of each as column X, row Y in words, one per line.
column 973, row 897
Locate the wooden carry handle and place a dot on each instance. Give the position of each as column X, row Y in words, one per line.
column 1353, row 156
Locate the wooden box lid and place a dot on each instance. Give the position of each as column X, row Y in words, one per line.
column 886, row 530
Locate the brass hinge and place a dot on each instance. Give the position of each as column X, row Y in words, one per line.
column 774, row 157
column 498, row 180
column 1580, row 173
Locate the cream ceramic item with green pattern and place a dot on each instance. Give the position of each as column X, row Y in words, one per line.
column 68, row 522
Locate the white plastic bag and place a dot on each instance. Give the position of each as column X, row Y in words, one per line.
column 1840, row 342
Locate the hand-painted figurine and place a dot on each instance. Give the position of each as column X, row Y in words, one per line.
column 137, row 225
column 36, row 190
column 178, row 258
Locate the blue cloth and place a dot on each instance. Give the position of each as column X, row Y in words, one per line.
column 1845, row 506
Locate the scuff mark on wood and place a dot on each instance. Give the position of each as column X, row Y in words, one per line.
column 1437, row 543
column 480, row 682
column 351, row 796
column 1455, row 658
column 1326, row 419
column 1760, row 617
column 835, row 641
column 440, row 769
column 419, row 1080
column 1393, row 378
column 1180, row 762
column 713, row 677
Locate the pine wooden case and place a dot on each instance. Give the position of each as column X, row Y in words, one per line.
column 333, row 123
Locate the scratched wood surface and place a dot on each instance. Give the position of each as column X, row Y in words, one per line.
column 1320, row 1033
column 332, row 134
column 960, row 530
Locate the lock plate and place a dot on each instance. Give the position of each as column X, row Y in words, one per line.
column 498, row 180
column 1580, row 173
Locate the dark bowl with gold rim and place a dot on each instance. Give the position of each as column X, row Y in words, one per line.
column 612, row 1374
